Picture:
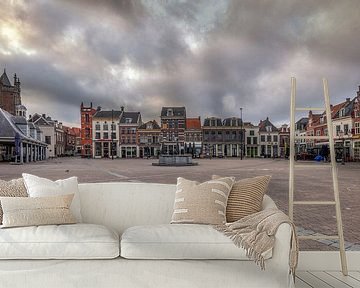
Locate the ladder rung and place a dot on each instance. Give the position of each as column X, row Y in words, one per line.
column 315, row 237
column 309, row 108
column 312, row 137
column 313, row 166
column 315, row 202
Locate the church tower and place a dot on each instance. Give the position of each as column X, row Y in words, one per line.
column 10, row 97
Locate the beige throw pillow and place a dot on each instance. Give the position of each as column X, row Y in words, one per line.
column 246, row 197
column 201, row 203
column 20, row 211
column 12, row 188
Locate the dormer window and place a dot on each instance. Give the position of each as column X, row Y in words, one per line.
column 321, row 119
column 268, row 129
column 127, row 120
column 170, row 112
column 342, row 112
column 212, row 122
column 149, row 126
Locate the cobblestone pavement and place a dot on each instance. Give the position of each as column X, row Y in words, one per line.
column 310, row 185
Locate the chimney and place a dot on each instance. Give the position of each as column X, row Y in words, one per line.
column 44, row 115
column 98, row 108
column 347, row 99
column 331, row 106
column 90, row 104
column 122, row 108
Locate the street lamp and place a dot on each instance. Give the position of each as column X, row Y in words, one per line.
column 241, row 135
column 112, row 131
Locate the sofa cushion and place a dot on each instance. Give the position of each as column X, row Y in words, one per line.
column 12, row 188
column 201, row 203
column 246, row 197
column 29, row 211
column 182, row 241
column 42, row 187
column 73, row 241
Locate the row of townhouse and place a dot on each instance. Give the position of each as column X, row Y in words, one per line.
column 61, row 140
column 119, row 133
column 346, row 129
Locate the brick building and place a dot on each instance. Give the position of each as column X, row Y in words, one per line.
column 173, row 130
column 193, row 136
column 148, row 139
column 356, row 128
column 86, row 114
column 128, row 124
column 10, row 98
column 70, row 141
column 284, row 141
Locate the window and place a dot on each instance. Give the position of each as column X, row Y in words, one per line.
column 268, row 128
column 97, row 127
column 262, row 138
column 357, row 127
column 248, row 140
column 128, row 120
column 346, row 129
column 212, row 122
column 87, row 133
column 317, row 132
column 169, row 112
column 342, row 112
column 48, row 140
column 87, row 118
column 321, row 119
column 255, row 140
column 97, row 135
column 106, row 135
column 326, row 132
column 252, row 132
column 275, row 138
column 105, row 127
column 113, row 127
column 268, row 138
column 337, row 130
column 113, row 135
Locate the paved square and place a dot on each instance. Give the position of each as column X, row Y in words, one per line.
column 310, row 185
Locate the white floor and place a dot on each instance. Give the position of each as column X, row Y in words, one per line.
column 323, row 270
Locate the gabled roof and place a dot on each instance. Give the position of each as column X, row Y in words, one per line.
column 108, row 114
column 176, row 111
column 266, row 123
column 155, row 125
column 134, row 117
column 303, row 121
column 39, row 120
column 193, row 123
column 4, row 79
column 347, row 105
column 77, row 131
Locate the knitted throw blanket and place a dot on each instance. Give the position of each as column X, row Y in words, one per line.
column 256, row 234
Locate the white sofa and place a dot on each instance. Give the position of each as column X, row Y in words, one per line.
column 119, row 206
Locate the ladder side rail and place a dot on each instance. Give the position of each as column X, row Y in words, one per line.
column 292, row 148
column 335, row 179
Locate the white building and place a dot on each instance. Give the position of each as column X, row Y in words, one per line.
column 251, row 140
column 269, row 139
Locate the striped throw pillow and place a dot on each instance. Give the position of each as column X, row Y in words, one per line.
column 201, row 203
column 246, row 197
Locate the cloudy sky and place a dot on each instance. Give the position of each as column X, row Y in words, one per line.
column 212, row 56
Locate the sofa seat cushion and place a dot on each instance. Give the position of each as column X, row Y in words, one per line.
column 74, row 241
column 180, row 241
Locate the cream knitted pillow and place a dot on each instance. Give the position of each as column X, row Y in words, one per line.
column 21, row 211
column 201, row 203
column 12, row 188
column 246, row 197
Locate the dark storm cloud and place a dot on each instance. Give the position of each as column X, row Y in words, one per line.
column 210, row 56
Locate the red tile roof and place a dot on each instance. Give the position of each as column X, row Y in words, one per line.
column 193, row 123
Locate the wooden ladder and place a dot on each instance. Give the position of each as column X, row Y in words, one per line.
column 332, row 165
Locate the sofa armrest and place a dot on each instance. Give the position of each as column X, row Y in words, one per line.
column 281, row 253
